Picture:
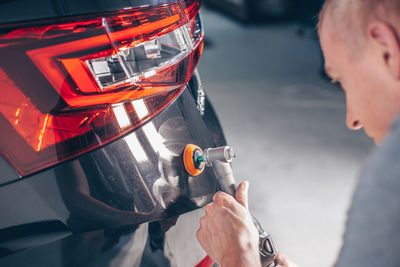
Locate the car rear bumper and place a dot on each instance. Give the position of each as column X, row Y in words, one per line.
column 102, row 197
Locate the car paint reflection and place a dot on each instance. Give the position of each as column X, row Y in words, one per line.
column 128, row 182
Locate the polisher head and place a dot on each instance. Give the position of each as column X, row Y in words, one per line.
column 193, row 159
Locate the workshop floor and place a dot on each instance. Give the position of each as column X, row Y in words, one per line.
column 287, row 125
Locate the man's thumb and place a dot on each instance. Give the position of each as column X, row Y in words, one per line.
column 242, row 193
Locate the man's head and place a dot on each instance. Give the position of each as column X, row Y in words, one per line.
column 360, row 43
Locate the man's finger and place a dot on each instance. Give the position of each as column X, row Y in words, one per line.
column 281, row 260
column 241, row 193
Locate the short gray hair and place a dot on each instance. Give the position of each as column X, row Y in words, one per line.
column 352, row 17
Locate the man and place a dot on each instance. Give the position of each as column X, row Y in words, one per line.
column 360, row 42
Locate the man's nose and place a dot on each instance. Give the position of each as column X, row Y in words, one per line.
column 352, row 122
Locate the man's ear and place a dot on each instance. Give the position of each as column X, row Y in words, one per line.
column 385, row 39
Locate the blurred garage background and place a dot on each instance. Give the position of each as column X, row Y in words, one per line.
column 262, row 68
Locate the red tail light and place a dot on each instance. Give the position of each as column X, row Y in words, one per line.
column 73, row 86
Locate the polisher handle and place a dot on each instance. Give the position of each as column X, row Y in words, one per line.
column 219, row 159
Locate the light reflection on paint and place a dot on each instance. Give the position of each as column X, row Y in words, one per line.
column 140, row 108
column 156, row 140
column 136, row 148
column 121, row 115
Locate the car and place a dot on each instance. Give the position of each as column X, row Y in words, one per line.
column 250, row 11
column 253, row 10
column 99, row 99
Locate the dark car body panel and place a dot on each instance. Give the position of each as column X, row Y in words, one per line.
column 133, row 245
column 127, row 203
column 138, row 178
column 8, row 174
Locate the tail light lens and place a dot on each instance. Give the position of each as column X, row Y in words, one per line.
column 73, row 86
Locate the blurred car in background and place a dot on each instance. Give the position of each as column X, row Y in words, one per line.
column 251, row 9
column 261, row 10
column 99, row 99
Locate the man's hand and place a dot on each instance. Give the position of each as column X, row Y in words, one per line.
column 227, row 232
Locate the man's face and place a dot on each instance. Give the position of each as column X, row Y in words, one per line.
column 370, row 101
